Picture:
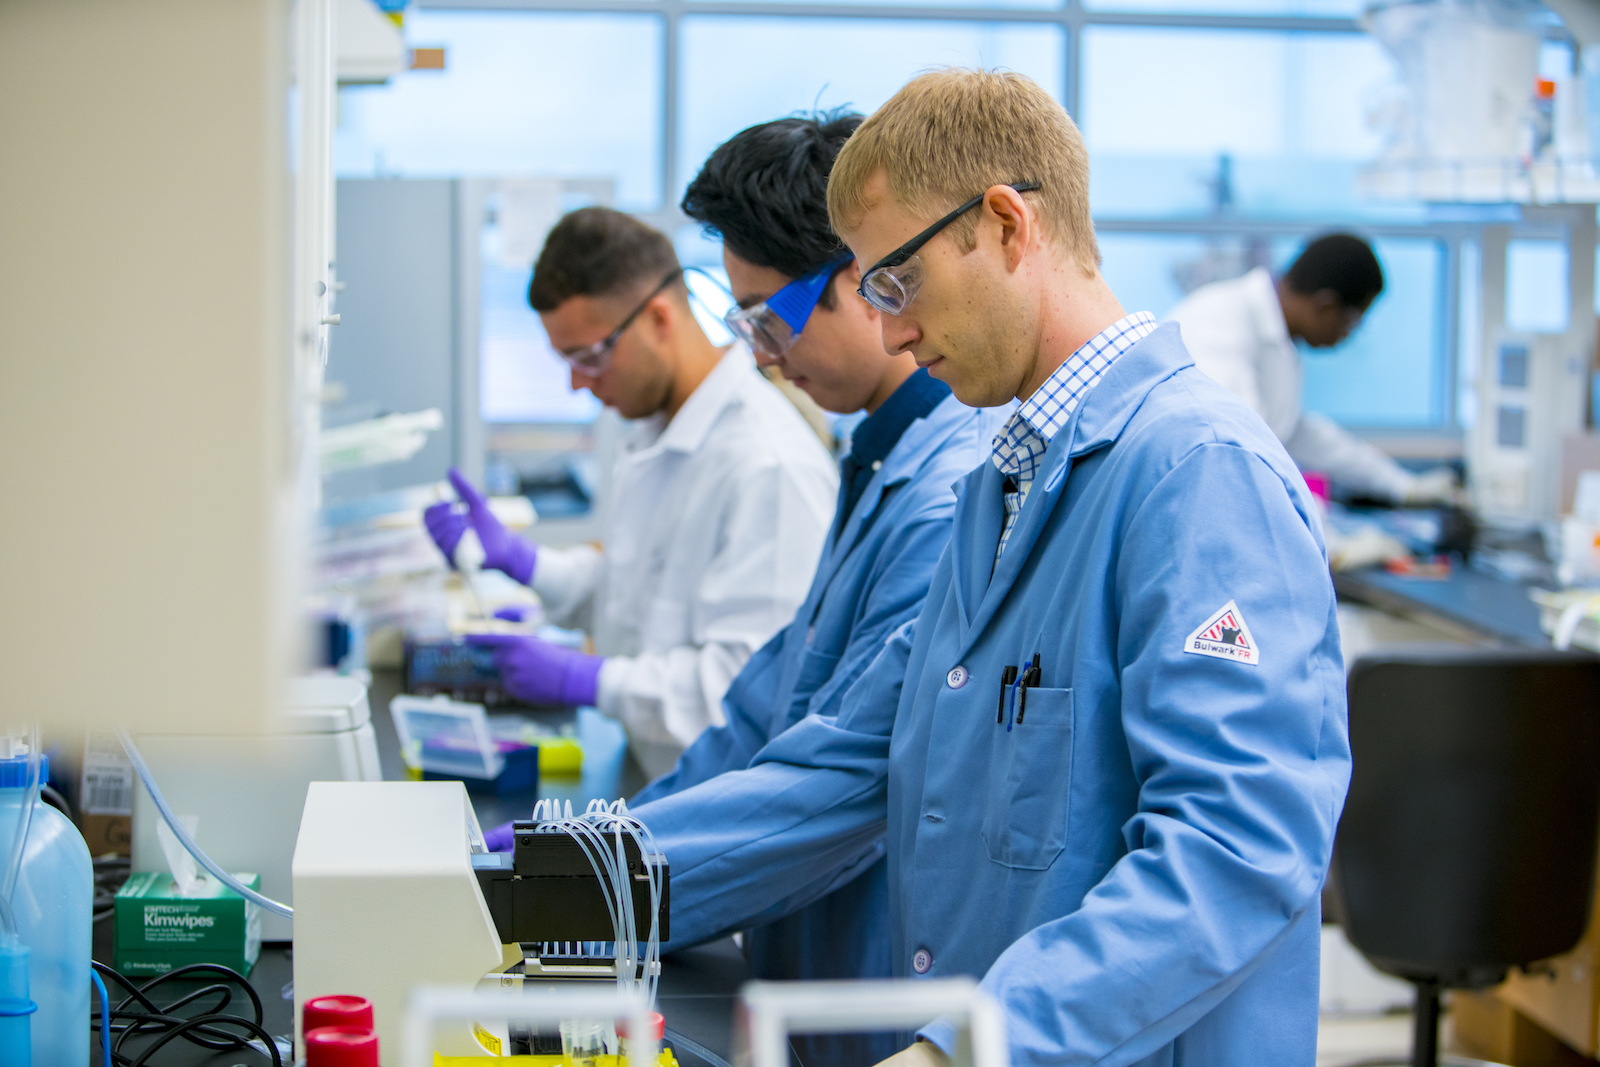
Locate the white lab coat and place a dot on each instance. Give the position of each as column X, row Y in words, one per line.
column 1236, row 333
column 716, row 522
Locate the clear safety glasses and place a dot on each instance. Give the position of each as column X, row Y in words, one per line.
column 592, row 360
column 772, row 326
column 892, row 282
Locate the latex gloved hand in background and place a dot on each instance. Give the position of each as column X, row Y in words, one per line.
column 523, row 613
column 540, row 672
column 502, row 550
column 500, row 839
column 1436, row 486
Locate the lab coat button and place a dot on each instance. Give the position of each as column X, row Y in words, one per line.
column 957, row 677
column 922, row 962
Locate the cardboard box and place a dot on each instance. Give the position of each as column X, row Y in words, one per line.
column 157, row 930
column 105, row 795
column 108, row 833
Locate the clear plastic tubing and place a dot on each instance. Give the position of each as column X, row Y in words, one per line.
column 53, row 905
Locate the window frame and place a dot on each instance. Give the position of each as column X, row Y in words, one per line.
column 1073, row 17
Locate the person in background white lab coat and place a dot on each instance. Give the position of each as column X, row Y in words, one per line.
column 1242, row 334
column 719, row 505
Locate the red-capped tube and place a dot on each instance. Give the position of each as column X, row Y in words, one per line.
column 341, row 1046
column 658, row 1026
column 336, row 1011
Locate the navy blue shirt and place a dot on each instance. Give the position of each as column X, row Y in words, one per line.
column 877, row 434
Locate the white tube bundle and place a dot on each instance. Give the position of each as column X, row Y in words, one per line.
column 601, row 831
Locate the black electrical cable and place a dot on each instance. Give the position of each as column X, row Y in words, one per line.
column 55, row 800
column 148, row 1022
column 200, row 1022
column 162, row 1025
column 110, row 872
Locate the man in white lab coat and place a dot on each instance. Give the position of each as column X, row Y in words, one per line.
column 719, row 501
column 1242, row 334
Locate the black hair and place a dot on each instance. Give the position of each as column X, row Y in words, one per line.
column 596, row 251
column 764, row 191
column 1342, row 262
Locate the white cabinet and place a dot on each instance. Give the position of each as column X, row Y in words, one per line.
column 164, row 225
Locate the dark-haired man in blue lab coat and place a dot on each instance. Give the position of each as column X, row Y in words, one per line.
column 764, row 193
column 1111, row 751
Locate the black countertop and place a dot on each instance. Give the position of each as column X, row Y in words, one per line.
column 609, row 770
column 1477, row 604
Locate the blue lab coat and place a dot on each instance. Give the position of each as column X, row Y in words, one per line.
column 872, row 579
column 1134, row 868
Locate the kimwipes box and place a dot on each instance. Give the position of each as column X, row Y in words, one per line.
column 158, row 930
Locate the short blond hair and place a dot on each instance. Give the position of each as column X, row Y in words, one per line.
column 951, row 133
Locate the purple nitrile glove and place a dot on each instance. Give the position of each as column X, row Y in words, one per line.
column 500, row 839
column 542, row 673
column 514, row 613
column 502, row 549
column 445, row 525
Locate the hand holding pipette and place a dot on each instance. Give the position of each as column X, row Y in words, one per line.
column 496, row 547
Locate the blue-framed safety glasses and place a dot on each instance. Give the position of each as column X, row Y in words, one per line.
column 771, row 327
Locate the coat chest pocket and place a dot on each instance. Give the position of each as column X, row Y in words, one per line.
column 1025, row 819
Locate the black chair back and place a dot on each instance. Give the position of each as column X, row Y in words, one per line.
column 1468, row 839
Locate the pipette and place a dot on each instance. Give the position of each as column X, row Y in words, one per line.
column 468, row 558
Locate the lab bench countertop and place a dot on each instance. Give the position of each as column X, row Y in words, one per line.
column 698, row 986
column 609, row 769
column 1469, row 602
column 696, row 995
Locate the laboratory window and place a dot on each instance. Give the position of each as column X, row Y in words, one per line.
column 998, row 5
column 1219, row 121
column 741, row 70
column 521, row 379
column 523, row 93
column 1315, row 8
column 1393, row 373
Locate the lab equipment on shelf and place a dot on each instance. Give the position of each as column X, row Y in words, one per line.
column 389, row 439
column 374, row 562
column 1471, row 119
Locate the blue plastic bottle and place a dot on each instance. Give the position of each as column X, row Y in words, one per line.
column 54, row 907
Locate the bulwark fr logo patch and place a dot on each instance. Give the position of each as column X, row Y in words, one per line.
column 1226, row 636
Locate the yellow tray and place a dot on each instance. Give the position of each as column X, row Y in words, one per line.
column 665, row 1059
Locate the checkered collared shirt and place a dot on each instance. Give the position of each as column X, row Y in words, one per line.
column 1019, row 448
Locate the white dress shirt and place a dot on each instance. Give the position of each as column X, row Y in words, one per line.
column 1236, row 332
column 716, row 522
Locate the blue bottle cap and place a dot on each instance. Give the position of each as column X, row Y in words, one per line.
column 14, row 771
